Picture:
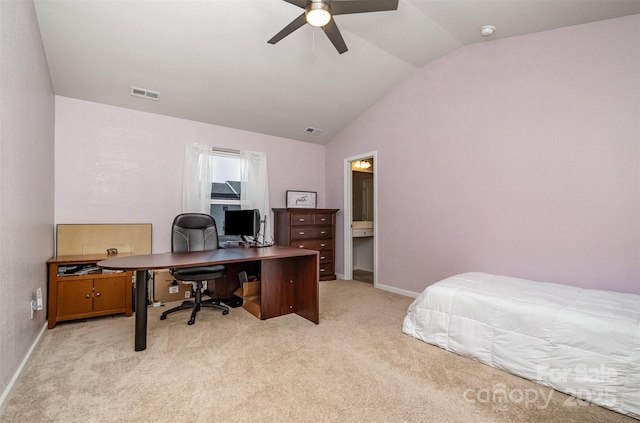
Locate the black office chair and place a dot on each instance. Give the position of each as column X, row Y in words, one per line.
column 195, row 232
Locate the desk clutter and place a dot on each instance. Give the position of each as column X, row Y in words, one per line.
column 167, row 289
column 83, row 269
column 249, row 291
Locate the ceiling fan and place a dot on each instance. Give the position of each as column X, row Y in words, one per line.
column 320, row 13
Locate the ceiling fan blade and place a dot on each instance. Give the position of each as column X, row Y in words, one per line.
column 333, row 33
column 299, row 3
column 295, row 24
column 344, row 7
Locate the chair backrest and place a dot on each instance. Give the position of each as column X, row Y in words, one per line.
column 193, row 232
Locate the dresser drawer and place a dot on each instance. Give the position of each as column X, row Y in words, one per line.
column 326, row 269
column 311, row 232
column 326, row 256
column 301, row 219
column 313, row 244
column 323, row 219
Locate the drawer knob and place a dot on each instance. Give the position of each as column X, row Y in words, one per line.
column 322, row 245
column 323, row 232
column 322, row 270
column 300, row 233
column 301, row 220
column 301, row 246
column 322, row 257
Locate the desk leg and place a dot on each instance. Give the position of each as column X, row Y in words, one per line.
column 141, row 310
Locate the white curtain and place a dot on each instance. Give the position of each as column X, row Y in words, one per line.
column 254, row 191
column 196, row 183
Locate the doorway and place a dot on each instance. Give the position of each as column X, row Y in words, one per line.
column 360, row 211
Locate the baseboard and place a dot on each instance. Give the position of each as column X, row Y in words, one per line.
column 389, row 288
column 6, row 395
column 398, row 290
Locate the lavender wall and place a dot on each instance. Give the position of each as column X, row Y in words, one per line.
column 115, row 165
column 26, row 183
column 517, row 156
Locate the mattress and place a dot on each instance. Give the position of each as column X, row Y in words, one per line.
column 583, row 342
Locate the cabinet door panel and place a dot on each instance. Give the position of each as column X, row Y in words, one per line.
column 109, row 293
column 279, row 276
column 75, row 297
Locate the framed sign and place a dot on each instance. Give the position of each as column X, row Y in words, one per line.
column 301, row 199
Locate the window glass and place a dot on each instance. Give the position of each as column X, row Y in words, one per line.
column 225, row 187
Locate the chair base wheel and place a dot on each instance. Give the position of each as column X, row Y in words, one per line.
column 225, row 312
column 163, row 317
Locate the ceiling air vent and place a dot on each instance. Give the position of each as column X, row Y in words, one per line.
column 314, row 131
column 144, row 93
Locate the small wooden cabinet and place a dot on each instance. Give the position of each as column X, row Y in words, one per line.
column 75, row 295
column 312, row 229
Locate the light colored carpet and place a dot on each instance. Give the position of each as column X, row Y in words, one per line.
column 355, row 366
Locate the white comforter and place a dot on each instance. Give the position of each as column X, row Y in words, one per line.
column 583, row 342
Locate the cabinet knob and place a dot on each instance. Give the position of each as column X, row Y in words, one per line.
column 97, row 294
column 88, row 296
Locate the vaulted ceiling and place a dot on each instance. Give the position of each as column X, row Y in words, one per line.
column 210, row 60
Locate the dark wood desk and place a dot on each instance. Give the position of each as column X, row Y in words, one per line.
column 289, row 279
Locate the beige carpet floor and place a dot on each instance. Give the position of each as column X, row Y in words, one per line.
column 355, row 366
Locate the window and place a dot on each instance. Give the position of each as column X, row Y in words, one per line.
column 214, row 178
column 225, row 186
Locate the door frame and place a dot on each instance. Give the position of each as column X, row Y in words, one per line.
column 348, row 214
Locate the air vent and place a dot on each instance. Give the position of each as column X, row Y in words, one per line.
column 144, row 93
column 314, row 131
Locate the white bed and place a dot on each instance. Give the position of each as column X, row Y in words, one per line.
column 583, row 342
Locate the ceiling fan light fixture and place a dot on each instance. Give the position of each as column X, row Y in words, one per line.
column 318, row 13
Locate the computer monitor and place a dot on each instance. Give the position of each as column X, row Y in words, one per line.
column 245, row 223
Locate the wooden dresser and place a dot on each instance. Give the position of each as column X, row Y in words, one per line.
column 312, row 229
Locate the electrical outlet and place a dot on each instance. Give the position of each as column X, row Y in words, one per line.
column 39, row 305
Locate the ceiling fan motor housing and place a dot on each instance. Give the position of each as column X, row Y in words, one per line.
column 318, row 13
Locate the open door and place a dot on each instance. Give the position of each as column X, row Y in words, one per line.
column 360, row 210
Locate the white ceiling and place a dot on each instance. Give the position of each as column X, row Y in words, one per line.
column 211, row 62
